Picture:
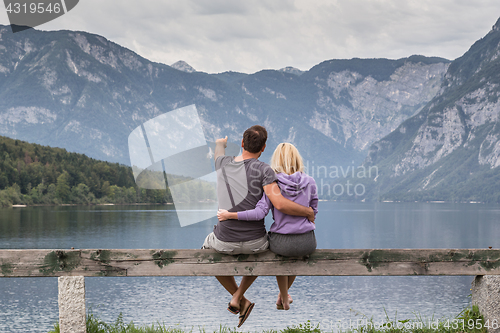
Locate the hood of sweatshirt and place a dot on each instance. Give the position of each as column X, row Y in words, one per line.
column 293, row 184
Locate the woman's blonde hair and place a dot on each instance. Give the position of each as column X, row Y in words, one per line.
column 286, row 158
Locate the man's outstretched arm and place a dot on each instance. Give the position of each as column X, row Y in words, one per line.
column 220, row 147
column 287, row 206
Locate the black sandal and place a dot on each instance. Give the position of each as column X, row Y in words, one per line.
column 245, row 315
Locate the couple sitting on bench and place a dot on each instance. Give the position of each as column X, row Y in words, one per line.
column 247, row 189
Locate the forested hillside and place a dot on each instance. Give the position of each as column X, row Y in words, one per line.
column 35, row 174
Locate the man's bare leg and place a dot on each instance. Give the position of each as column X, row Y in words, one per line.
column 228, row 282
column 238, row 300
column 238, row 296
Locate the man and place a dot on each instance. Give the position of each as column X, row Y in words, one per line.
column 241, row 182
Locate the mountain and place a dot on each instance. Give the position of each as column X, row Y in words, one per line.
column 183, row 66
column 229, row 76
column 84, row 93
column 450, row 150
column 291, row 70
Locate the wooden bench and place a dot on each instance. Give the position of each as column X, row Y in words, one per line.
column 71, row 266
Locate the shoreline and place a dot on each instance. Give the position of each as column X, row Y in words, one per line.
column 202, row 202
column 105, row 204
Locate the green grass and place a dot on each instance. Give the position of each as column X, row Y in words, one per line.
column 469, row 320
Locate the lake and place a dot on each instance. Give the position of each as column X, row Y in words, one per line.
column 30, row 304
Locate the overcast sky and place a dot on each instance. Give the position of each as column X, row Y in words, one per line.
column 247, row 36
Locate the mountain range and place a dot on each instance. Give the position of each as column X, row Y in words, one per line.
column 84, row 93
column 427, row 125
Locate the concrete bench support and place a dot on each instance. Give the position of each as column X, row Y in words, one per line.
column 486, row 294
column 72, row 316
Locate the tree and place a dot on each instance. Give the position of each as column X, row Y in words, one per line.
column 81, row 194
column 62, row 187
column 105, row 189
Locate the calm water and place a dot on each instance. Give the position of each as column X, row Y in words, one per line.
column 30, row 304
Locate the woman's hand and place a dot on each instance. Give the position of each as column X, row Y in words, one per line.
column 223, row 215
column 310, row 216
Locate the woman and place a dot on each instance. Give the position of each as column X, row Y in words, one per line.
column 290, row 236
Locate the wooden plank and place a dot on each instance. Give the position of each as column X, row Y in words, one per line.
column 157, row 262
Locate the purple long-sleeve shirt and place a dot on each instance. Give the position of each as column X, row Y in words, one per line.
column 298, row 187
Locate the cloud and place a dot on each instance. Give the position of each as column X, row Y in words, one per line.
column 221, row 7
column 247, row 36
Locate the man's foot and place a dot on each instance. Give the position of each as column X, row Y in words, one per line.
column 232, row 309
column 244, row 304
column 245, row 312
column 235, row 304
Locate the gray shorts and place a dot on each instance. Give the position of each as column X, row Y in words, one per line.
column 249, row 247
column 292, row 245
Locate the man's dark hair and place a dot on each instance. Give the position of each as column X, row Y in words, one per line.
column 254, row 139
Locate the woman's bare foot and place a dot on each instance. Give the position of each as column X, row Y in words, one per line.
column 290, row 300
column 280, row 305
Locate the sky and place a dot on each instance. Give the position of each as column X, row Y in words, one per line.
column 247, row 36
